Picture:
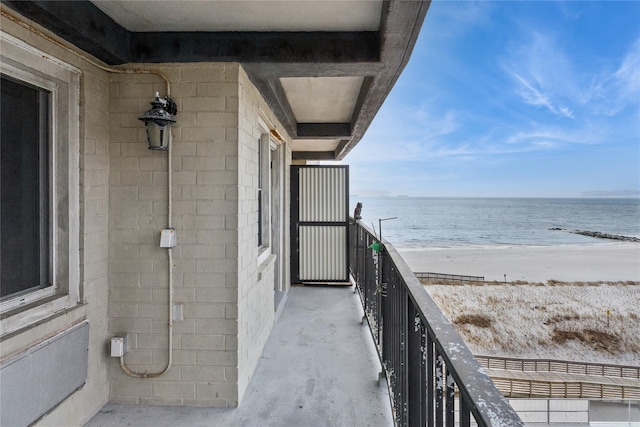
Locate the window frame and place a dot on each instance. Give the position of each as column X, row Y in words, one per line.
column 45, row 267
column 264, row 192
column 26, row 64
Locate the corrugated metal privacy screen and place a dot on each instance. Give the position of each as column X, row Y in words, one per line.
column 323, row 255
column 319, row 211
column 323, row 195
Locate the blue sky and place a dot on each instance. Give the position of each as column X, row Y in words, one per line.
column 511, row 98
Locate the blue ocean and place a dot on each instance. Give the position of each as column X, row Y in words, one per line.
column 450, row 222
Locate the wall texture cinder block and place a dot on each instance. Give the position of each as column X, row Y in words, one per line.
column 227, row 306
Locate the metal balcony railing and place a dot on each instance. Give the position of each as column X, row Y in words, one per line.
column 434, row 379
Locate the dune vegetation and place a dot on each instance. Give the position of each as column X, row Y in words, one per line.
column 579, row 321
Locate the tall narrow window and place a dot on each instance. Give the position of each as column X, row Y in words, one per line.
column 260, row 194
column 25, row 262
column 264, row 191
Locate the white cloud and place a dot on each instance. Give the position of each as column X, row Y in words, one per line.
column 628, row 74
column 543, row 74
column 621, row 88
column 547, row 77
column 455, row 18
column 536, row 96
column 549, row 137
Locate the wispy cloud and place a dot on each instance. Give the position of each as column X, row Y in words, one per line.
column 627, row 76
column 548, row 137
column 533, row 94
column 615, row 91
column 460, row 17
column 543, row 74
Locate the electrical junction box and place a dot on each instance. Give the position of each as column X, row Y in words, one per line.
column 118, row 346
column 167, row 238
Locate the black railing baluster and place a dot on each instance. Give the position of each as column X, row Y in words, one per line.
column 401, row 353
column 416, row 374
column 465, row 419
column 439, row 390
column 423, row 372
column 450, row 403
column 430, row 382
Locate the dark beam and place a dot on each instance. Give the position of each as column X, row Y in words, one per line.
column 81, row 24
column 367, row 83
column 293, row 69
column 273, row 94
column 256, row 47
column 313, row 155
column 399, row 28
column 324, row 130
column 86, row 26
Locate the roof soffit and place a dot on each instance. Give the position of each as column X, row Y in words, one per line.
column 246, row 15
column 356, row 48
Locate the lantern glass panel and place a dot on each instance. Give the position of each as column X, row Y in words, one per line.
column 157, row 135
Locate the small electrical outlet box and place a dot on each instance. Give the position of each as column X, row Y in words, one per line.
column 118, row 346
column 177, row 313
column 167, row 238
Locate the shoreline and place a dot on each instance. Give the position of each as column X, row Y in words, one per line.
column 610, row 261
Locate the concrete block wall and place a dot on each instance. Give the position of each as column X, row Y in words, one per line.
column 93, row 194
column 255, row 274
column 215, row 217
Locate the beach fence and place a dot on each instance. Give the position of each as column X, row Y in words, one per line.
column 442, row 276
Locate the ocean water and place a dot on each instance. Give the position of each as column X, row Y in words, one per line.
column 450, row 222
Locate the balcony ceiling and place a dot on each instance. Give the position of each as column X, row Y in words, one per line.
column 323, row 66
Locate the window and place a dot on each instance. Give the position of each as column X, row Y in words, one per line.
column 24, row 185
column 39, row 185
column 260, row 179
column 264, row 211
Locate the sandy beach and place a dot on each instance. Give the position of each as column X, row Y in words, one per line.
column 529, row 321
column 602, row 262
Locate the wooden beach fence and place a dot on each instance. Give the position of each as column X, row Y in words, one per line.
column 442, row 276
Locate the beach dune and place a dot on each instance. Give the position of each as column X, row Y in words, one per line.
column 604, row 262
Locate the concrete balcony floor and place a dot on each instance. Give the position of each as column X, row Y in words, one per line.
column 318, row 368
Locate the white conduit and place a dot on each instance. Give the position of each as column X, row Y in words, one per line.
column 169, row 173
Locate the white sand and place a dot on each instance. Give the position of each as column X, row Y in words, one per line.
column 524, row 317
column 603, row 262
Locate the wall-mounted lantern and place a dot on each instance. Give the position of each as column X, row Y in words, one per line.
column 158, row 121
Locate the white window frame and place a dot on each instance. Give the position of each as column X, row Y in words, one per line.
column 264, row 192
column 268, row 146
column 25, row 63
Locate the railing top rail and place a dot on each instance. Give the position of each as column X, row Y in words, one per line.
column 488, row 405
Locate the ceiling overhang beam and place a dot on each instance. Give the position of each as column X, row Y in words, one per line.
column 80, row 23
column 313, row 155
column 323, row 130
column 84, row 25
column 256, row 47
